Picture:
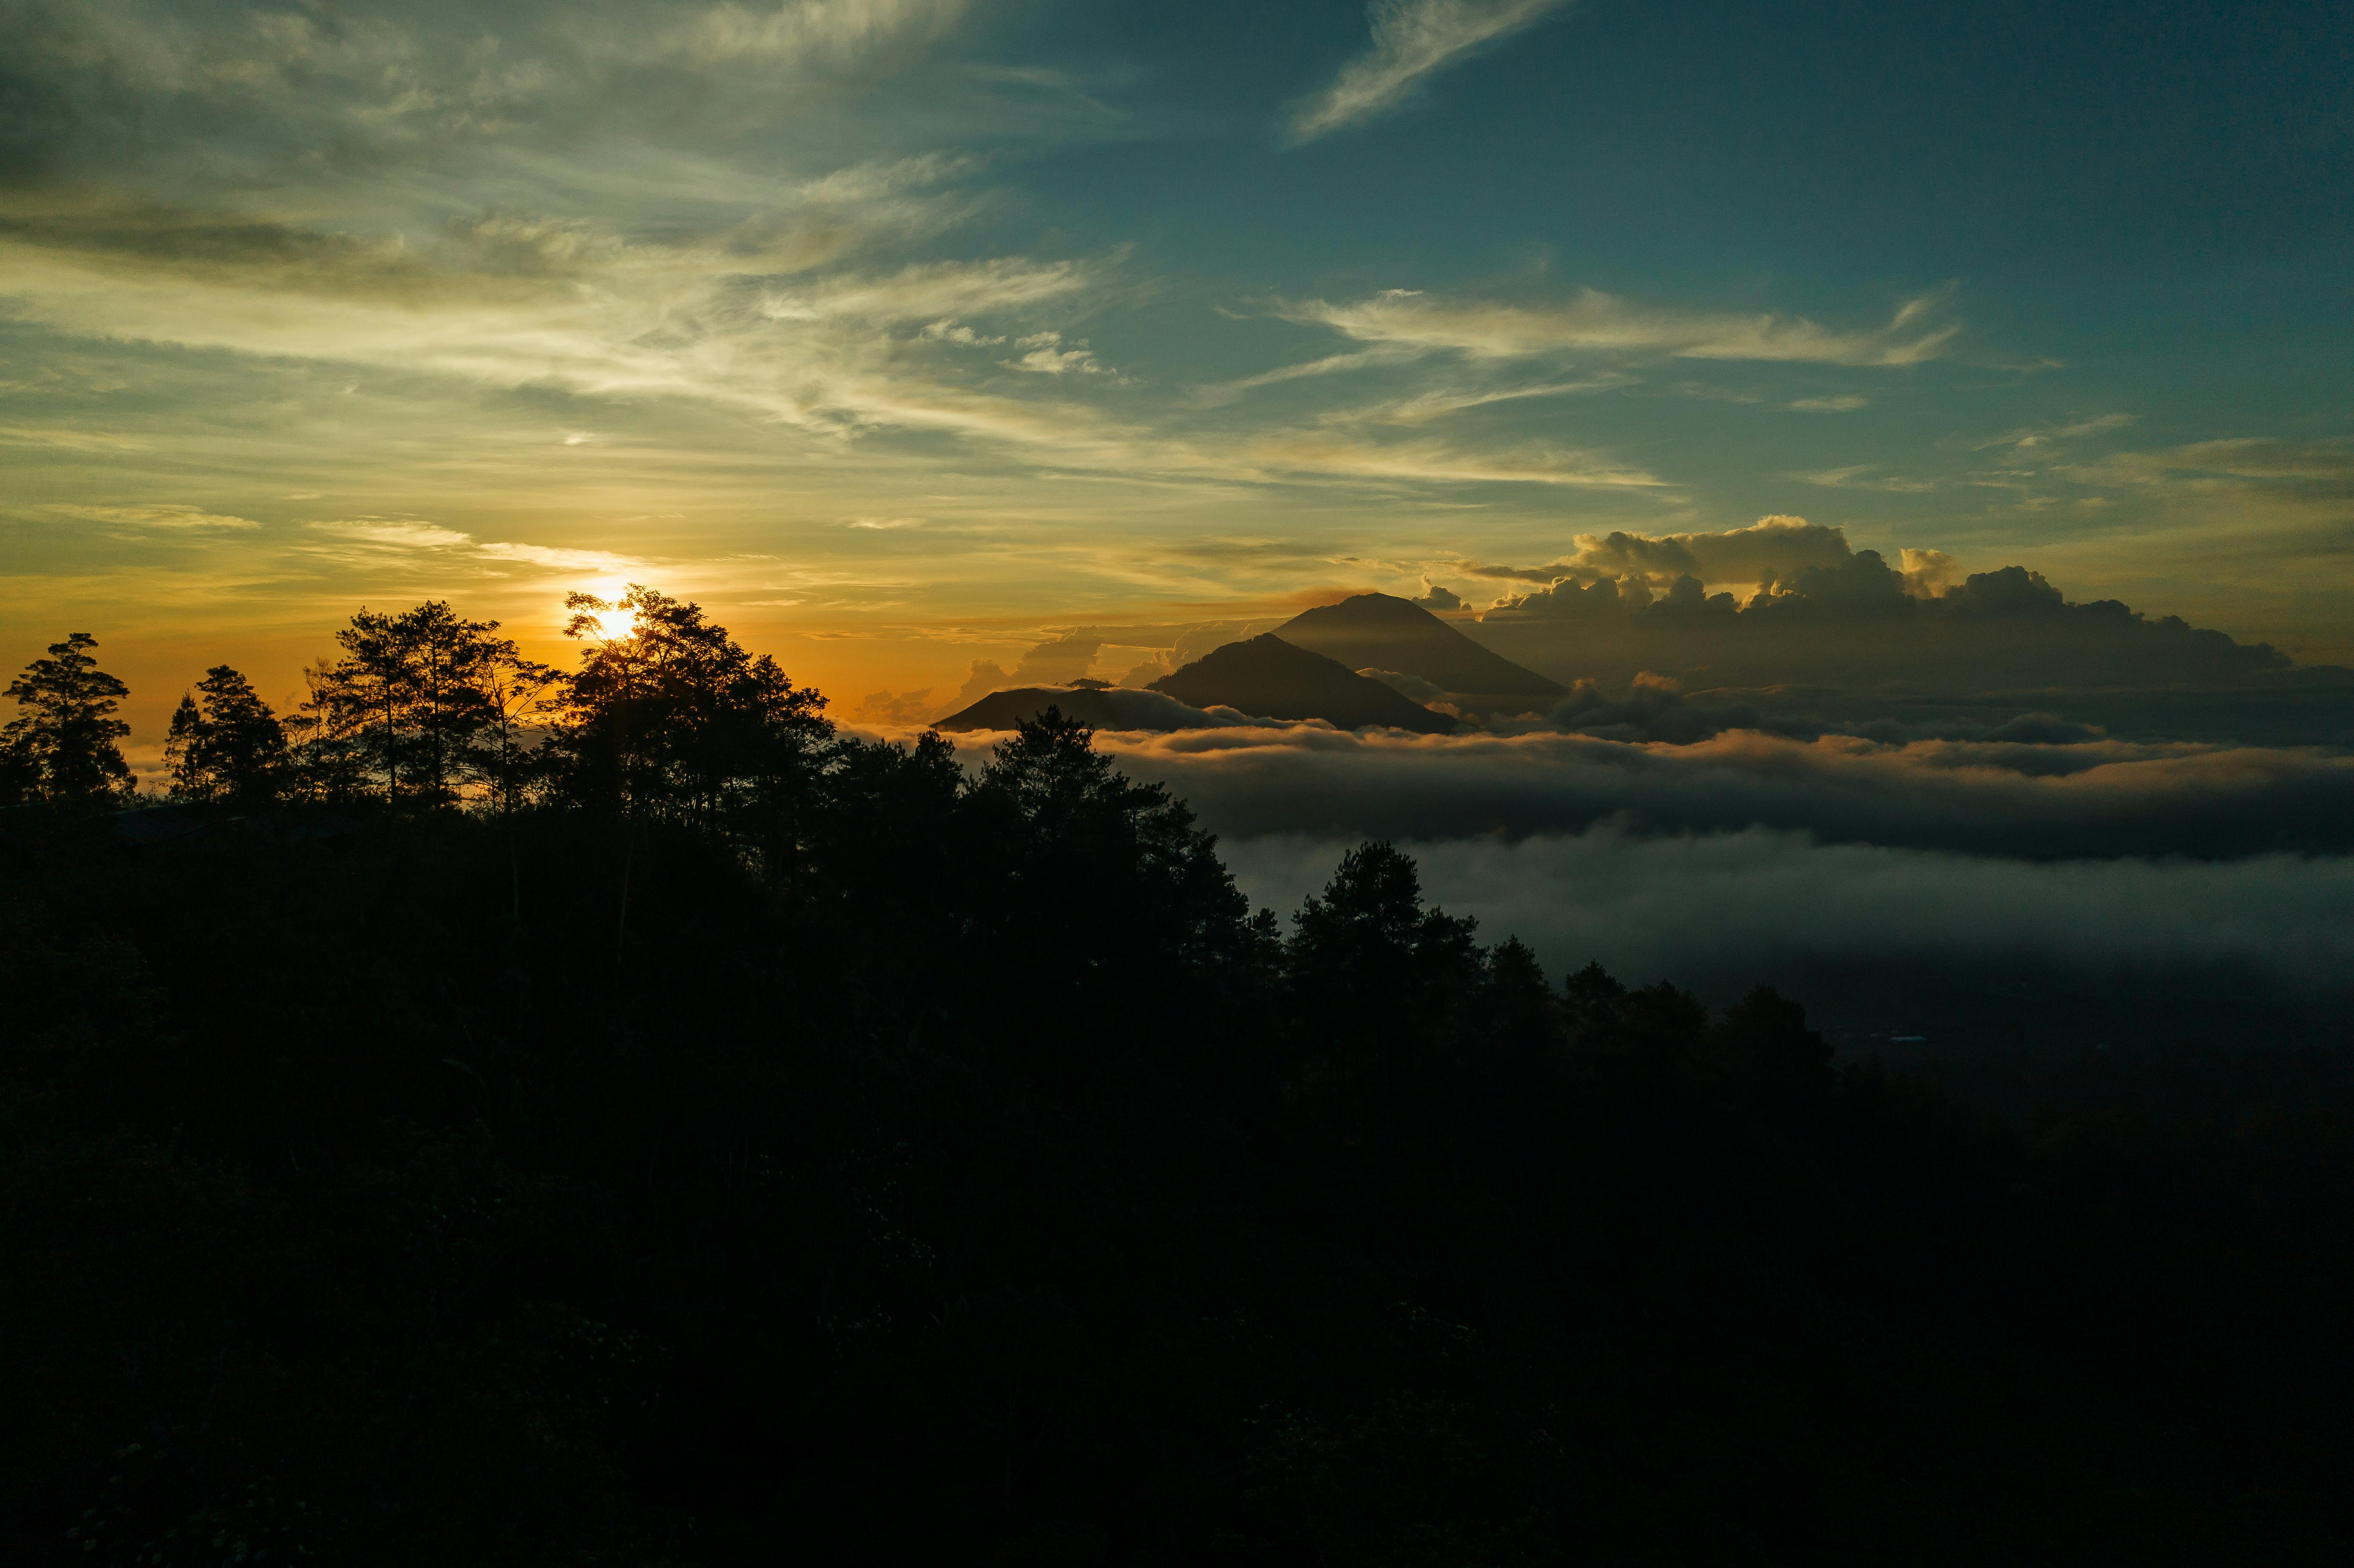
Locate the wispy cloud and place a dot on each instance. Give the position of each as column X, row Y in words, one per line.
column 393, row 533
column 1432, row 461
column 558, row 559
column 2028, row 441
column 1438, row 402
column 2326, row 464
column 825, row 33
column 1411, row 39
column 1594, row 322
column 164, row 516
column 356, row 537
column 939, row 290
column 1860, row 476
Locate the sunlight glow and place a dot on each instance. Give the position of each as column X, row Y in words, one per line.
column 616, row 623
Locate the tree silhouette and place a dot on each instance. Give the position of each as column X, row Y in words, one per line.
column 1119, row 857
column 225, row 745
column 520, row 691
column 1372, row 966
column 422, row 703
column 672, row 719
column 63, row 747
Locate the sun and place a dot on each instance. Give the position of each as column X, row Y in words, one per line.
column 614, row 623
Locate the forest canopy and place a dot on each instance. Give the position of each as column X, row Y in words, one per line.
column 612, row 1116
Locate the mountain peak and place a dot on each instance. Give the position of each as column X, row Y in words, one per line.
column 1270, row 677
column 1381, row 632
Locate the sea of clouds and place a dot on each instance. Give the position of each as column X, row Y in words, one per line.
column 1977, row 884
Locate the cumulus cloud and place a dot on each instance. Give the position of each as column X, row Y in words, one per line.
column 895, row 709
column 1057, row 662
column 1767, row 551
column 984, row 676
column 1591, row 320
column 1411, row 39
column 951, row 332
column 1143, row 672
column 1047, row 356
column 1927, row 572
column 1827, row 616
column 1652, row 708
column 1060, row 661
column 1438, row 598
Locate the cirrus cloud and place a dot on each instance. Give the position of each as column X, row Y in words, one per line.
column 160, row 515
column 1591, row 320
column 1411, row 39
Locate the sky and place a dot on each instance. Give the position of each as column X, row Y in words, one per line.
column 905, row 335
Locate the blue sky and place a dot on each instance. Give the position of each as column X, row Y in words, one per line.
column 905, row 333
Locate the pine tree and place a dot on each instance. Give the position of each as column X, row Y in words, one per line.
column 63, row 747
column 419, row 705
column 224, row 744
column 673, row 719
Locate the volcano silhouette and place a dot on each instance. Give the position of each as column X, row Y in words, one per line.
column 1275, row 679
column 1377, row 631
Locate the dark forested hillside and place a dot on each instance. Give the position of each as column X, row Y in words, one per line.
column 701, row 1137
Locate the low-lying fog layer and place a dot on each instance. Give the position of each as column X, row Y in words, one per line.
column 1996, row 889
column 1723, row 911
column 2100, row 798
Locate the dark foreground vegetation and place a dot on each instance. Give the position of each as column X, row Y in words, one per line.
column 697, row 1138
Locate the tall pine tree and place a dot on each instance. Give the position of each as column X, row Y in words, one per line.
column 62, row 748
column 225, row 745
